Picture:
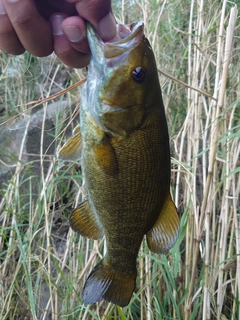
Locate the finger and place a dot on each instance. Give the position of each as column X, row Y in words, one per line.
column 9, row 41
column 49, row 7
column 75, row 30
column 75, row 52
column 98, row 12
column 106, row 27
column 33, row 31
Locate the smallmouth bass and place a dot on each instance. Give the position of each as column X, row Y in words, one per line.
column 125, row 158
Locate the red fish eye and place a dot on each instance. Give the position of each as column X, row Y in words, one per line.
column 138, row 74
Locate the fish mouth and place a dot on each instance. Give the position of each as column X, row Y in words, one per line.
column 126, row 39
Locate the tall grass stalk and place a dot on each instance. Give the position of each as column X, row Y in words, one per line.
column 44, row 264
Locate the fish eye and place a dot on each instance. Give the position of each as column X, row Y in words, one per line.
column 138, row 74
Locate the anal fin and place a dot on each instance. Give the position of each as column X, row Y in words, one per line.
column 84, row 221
column 164, row 233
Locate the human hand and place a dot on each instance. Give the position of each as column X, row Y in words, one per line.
column 44, row 26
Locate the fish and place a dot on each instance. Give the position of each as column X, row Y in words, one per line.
column 123, row 144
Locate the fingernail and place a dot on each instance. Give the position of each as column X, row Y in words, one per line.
column 73, row 33
column 107, row 27
column 2, row 8
column 56, row 22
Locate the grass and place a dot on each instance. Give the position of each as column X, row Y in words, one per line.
column 43, row 263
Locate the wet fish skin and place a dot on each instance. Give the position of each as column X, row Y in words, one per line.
column 125, row 162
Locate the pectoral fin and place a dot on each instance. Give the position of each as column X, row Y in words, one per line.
column 106, row 157
column 164, row 233
column 71, row 150
column 84, row 221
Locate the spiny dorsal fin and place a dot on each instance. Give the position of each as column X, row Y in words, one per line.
column 72, row 148
column 164, row 233
column 84, row 221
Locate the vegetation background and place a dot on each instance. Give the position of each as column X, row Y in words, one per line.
column 43, row 263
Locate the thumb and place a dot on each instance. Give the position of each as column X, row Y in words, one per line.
column 98, row 13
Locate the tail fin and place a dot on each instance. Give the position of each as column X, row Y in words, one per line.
column 105, row 283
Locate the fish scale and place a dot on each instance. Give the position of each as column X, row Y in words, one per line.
column 125, row 160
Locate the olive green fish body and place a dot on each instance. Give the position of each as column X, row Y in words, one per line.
column 128, row 200
column 125, row 161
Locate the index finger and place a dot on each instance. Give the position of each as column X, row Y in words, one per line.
column 33, row 31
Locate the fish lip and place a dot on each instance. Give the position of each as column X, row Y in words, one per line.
column 127, row 38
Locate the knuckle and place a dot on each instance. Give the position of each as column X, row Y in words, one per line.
column 20, row 20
